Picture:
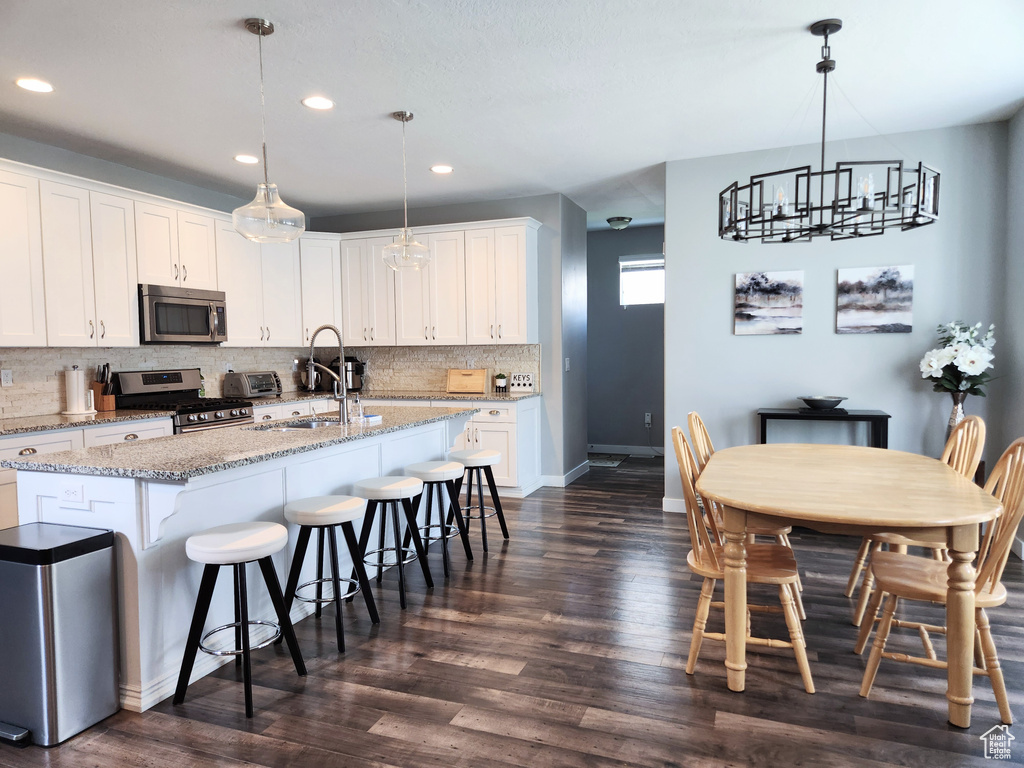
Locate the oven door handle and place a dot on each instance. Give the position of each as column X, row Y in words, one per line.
column 215, row 425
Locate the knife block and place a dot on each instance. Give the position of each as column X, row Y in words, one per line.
column 101, row 402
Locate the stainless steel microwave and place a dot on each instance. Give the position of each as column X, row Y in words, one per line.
column 172, row 315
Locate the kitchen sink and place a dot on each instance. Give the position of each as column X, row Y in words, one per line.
column 303, row 425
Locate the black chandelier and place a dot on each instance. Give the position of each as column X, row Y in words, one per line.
column 848, row 203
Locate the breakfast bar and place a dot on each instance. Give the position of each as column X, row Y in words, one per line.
column 155, row 494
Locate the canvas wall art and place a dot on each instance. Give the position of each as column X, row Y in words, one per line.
column 769, row 303
column 875, row 300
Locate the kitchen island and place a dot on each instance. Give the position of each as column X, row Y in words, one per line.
column 155, row 494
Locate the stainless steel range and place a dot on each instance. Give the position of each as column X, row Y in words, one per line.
column 177, row 390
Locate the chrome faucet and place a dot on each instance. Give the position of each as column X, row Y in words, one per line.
column 340, row 390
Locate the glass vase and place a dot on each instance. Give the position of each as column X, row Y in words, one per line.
column 957, row 414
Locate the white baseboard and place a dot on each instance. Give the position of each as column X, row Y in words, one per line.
column 560, row 481
column 521, row 491
column 632, row 450
column 669, row 504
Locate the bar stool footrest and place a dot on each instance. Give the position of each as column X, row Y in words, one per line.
column 467, row 512
column 235, row 625
column 329, row 581
column 368, row 558
column 453, row 531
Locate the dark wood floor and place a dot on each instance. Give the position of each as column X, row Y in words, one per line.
column 565, row 647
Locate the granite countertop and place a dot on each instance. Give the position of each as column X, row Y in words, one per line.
column 395, row 394
column 26, row 424
column 181, row 457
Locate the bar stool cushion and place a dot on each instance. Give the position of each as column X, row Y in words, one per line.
column 236, row 543
column 476, row 458
column 324, row 510
column 436, row 471
column 388, row 488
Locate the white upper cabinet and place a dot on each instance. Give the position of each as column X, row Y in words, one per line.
column 282, row 294
column 175, row 247
column 512, row 291
column 240, row 275
column 22, row 304
column 114, row 270
column 89, row 267
column 480, row 287
column 368, row 293
column 320, row 261
column 430, row 303
column 67, row 266
column 412, row 307
column 262, row 290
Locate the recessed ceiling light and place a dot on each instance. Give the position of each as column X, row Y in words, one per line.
column 318, row 102
column 247, row 159
column 33, row 84
column 441, row 168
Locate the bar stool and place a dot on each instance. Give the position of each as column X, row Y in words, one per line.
column 435, row 476
column 326, row 514
column 391, row 492
column 478, row 463
column 236, row 544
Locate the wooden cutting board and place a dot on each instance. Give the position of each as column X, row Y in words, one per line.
column 467, row 382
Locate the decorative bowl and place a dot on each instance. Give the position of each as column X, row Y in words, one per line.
column 822, row 402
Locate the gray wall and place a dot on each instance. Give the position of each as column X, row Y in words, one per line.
column 959, row 274
column 1008, row 392
column 56, row 159
column 625, row 346
column 550, row 210
column 574, row 334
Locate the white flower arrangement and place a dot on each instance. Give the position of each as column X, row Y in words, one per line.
column 961, row 364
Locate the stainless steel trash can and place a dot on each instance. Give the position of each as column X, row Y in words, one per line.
column 58, row 630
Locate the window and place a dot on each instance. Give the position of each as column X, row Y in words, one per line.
column 641, row 280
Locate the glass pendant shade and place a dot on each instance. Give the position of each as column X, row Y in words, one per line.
column 268, row 219
column 406, row 252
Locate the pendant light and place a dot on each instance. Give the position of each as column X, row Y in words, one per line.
column 405, row 252
column 858, row 198
column 267, row 219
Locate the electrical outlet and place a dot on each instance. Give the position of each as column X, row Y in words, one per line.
column 229, row 367
column 567, row 365
column 6, row 378
column 72, row 492
column 295, row 365
column 647, row 420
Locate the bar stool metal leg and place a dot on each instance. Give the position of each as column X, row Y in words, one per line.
column 497, row 502
column 399, row 552
column 244, row 618
column 319, row 571
column 336, row 583
column 480, row 495
column 285, row 622
column 455, row 513
column 356, row 552
column 417, row 541
column 195, row 632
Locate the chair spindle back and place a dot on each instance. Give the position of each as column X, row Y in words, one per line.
column 964, row 447
column 1006, row 483
column 702, row 540
column 700, row 438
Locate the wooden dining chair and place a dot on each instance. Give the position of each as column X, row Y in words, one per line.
column 703, row 449
column 771, row 564
column 963, row 453
column 904, row 577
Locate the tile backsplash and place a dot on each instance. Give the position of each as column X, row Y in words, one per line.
column 39, row 381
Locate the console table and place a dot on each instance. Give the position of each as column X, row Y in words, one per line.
column 878, row 421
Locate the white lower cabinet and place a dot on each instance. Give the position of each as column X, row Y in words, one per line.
column 128, row 433
column 512, row 429
column 274, row 411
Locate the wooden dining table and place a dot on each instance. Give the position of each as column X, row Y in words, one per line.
column 851, row 490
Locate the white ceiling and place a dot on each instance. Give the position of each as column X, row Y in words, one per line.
column 523, row 97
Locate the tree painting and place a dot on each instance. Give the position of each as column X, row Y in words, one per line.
column 768, row 303
column 875, row 300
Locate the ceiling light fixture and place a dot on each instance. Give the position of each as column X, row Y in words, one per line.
column 267, row 219
column 619, row 222
column 442, row 169
column 405, row 252
column 34, row 84
column 247, row 159
column 847, row 203
column 318, row 102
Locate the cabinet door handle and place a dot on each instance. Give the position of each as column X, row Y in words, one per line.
column 175, row 271
column 499, row 330
column 364, row 334
column 307, row 334
column 103, row 330
column 476, row 438
column 261, row 333
column 92, row 329
column 371, row 333
column 296, row 413
column 184, row 273
column 27, row 452
column 131, row 436
column 495, row 413
column 268, row 333
column 492, row 330
column 425, row 335
column 266, row 417
column 435, row 332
